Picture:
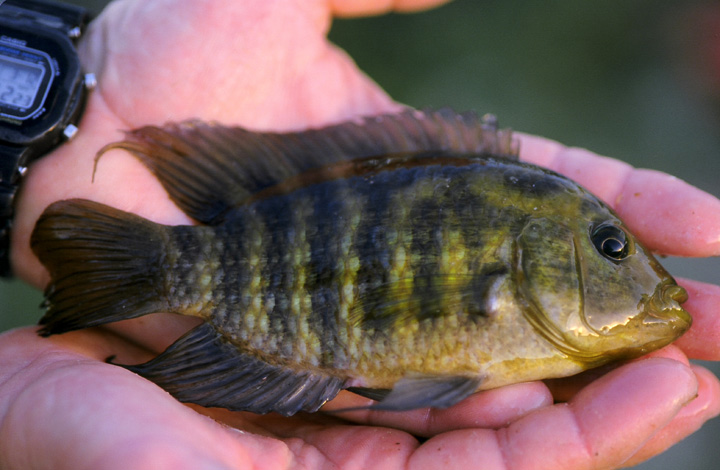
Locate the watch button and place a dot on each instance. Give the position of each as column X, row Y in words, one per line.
column 90, row 81
column 74, row 33
column 70, row 131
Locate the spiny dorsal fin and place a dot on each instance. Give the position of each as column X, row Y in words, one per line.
column 208, row 168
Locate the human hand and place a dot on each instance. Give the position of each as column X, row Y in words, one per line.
column 269, row 67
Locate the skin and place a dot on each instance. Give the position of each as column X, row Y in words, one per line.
column 62, row 407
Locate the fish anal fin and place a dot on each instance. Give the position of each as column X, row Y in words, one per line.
column 203, row 368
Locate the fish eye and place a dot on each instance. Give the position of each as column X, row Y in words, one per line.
column 611, row 241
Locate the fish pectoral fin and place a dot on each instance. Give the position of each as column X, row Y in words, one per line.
column 422, row 391
column 203, row 368
column 208, row 168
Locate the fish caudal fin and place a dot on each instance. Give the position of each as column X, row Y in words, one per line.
column 203, row 368
column 104, row 265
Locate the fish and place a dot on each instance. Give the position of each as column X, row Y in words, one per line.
column 410, row 258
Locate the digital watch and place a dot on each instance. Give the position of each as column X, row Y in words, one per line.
column 42, row 91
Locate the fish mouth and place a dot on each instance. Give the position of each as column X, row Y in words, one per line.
column 664, row 305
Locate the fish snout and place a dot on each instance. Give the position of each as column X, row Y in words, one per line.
column 664, row 305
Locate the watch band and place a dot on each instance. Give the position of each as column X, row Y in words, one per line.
column 71, row 21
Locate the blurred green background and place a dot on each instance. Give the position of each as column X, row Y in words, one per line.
column 636, row 80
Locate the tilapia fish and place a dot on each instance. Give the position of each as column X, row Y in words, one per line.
column 409, row 258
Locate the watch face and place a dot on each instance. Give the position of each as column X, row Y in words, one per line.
column 26, row 76
column 40, row 81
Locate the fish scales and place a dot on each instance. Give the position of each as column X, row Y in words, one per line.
column 324, row 259
column 415, row 262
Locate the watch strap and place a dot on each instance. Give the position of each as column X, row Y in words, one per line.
column 11, row 169
column 69, row 19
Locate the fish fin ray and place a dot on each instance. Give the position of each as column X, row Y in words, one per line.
column 202, row 367
column 376, row 394
column 423, row 391
column 208, row 168
column 102, row 265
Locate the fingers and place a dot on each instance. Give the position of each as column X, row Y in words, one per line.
column 265, row 65
column 63, row 410
column 702, row 341
column 100, row 416
column 602, row 427
column 673, row 217
column 376, row 7
column 706, row 406
column 564, row 389
column 489, row 409
column 667, row 214
column 616, row 405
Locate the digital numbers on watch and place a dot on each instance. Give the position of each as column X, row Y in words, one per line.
column 26, row 76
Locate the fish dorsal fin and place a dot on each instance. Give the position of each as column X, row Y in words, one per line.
column 203, row 368
column 208, row 168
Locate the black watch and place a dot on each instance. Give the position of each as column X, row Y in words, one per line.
column 42, row 91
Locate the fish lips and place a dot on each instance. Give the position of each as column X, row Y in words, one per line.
column 664, row 305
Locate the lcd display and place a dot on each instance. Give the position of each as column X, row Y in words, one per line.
column 19, row 82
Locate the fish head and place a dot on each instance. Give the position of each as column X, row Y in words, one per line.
column 593, row 290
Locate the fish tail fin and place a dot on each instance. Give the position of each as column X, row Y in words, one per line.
column 105, row 265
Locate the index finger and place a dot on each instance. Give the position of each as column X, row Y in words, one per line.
column 702, row 341
column 669, row 215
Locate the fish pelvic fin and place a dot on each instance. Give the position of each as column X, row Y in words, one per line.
column 202, row 367
column 419, row 391
column 104, row 265
column 208, row 168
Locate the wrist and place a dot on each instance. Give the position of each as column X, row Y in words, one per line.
column 42, row 94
